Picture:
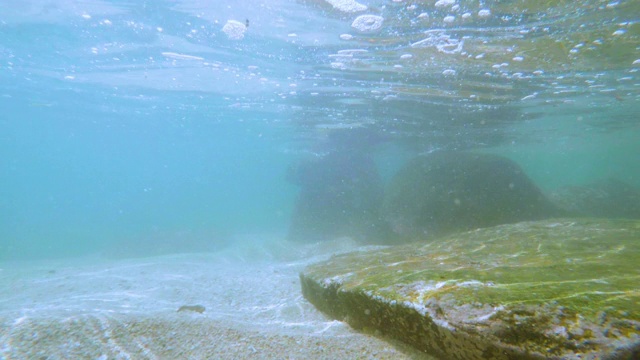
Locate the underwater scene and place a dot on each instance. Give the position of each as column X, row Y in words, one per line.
column 320, row 179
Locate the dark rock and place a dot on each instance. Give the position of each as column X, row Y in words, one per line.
column 447, row 192
column 553, row 289
column 609, row 198
column 194, row 308
column 340, row 195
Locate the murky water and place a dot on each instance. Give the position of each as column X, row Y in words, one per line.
column 125, row 119
column 131, row 130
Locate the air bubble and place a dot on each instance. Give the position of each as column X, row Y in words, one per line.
column 484, row 13
column 444, row 3
column 367, row 23
column 234, row 29
column 349, row 6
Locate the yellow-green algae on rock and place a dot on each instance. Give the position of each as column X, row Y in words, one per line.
column 553, row 289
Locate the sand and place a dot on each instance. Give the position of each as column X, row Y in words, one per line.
column 100, row 308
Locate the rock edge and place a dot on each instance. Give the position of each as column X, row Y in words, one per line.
column 444, row 300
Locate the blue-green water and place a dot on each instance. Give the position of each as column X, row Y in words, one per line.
column 124, row 121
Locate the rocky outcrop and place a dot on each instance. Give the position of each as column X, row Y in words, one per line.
column 340, row 195
column 447, row 192
column 553, row 289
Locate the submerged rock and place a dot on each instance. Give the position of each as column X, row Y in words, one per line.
column 340, row 195
column 448, row 192
column 553, row 289
column 610, row 198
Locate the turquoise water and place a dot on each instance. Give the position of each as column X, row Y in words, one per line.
column 125, row 121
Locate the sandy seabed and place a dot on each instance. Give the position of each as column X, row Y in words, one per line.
column 98, row 308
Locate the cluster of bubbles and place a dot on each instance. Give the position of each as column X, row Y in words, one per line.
column 456, row 37
column 367, row 23
column 234, row 29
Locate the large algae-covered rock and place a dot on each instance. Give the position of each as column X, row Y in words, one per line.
column 553, row 289
column 446, row 192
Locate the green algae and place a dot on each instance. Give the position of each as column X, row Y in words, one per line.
column 552, row 287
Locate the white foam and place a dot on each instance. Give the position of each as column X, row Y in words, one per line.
column 367, row 23
column 352, row 51
column 348, row 6
column 234, row 29
column 177, row 56
column 484, row 13
column 441, row 41
column 445, row 3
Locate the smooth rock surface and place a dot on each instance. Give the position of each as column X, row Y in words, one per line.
column 553, row 289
